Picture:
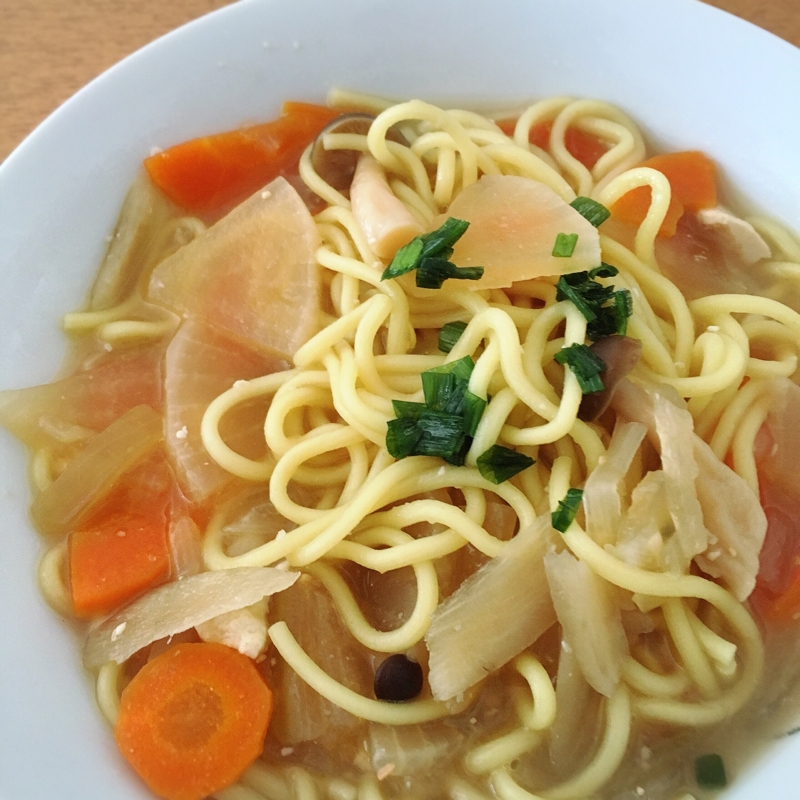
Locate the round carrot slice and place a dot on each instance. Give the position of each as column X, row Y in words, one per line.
column 193, row 719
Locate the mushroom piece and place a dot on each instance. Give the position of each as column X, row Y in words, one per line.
column 620, row 355
column 336, row 167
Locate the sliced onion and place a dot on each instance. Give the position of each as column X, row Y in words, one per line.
column 93, row 472
column 412, row 750
column 472, row 632
column 601, row 498
column 590, row 620
column 178, row 606
column 738, row 525
column 675, row 429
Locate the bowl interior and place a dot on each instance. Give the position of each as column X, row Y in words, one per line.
column 692, row 76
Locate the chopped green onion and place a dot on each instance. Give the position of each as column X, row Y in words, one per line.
column 461, row 367
column 565, row 244
column 450, row 334
column 433, row 272
column 585, row 364
column 459, row 456
column 405, row 408
column 442, row 433
column 592, row 300
column 595, row 212
column 445, row 236
column 603, row 271
column 474, row 407
column 438, row 243
column 402, row 436
column 566, row 290
column 567, row 509
column 405, row 259
column 445, row 423
column 500, row 463
column 709, row 771
column 444, row 391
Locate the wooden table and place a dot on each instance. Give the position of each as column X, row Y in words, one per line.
column 44, row 58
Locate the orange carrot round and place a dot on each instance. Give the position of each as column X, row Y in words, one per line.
column 193, row 719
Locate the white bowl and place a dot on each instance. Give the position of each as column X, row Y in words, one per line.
column 692, row 76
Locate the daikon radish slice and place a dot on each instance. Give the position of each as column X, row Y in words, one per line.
column 514, row 224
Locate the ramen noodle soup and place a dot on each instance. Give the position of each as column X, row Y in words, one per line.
column 412, row 453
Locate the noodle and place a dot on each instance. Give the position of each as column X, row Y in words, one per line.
column 349, row 510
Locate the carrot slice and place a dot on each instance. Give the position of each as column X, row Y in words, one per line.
column 115, row 560
column 693, row 179
column 209, row 175
column 193, row 719
column 583, row 146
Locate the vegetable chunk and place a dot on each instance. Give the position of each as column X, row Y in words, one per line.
column 193, row 719
column 514, row 224
column 252, row 275
column 465, row 641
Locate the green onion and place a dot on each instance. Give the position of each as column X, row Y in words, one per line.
column 438, row 243
column 567, row 509
column 442, row 433
column 402, row 436
column 474, row 407
column 450, row 334
column 461, row 367
column 603, row 271
column 445, row 423
column 595, row 212
column 709, row 771
column 500, row 463
column 444, row 391
column 605, row 310
column 433, row 272
column 585, row 364
column 404, row 408
column 565, row 244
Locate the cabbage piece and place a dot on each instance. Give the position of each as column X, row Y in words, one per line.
column 178, row 606
column 671, row 429
column 779, row 465
column 514, row 222
column 675, row 429
column 590, row 619
column 90, row 476
column 145, row 211
column 493, row 616
column 601, row 498
column 735, row 519
column 645, row 524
